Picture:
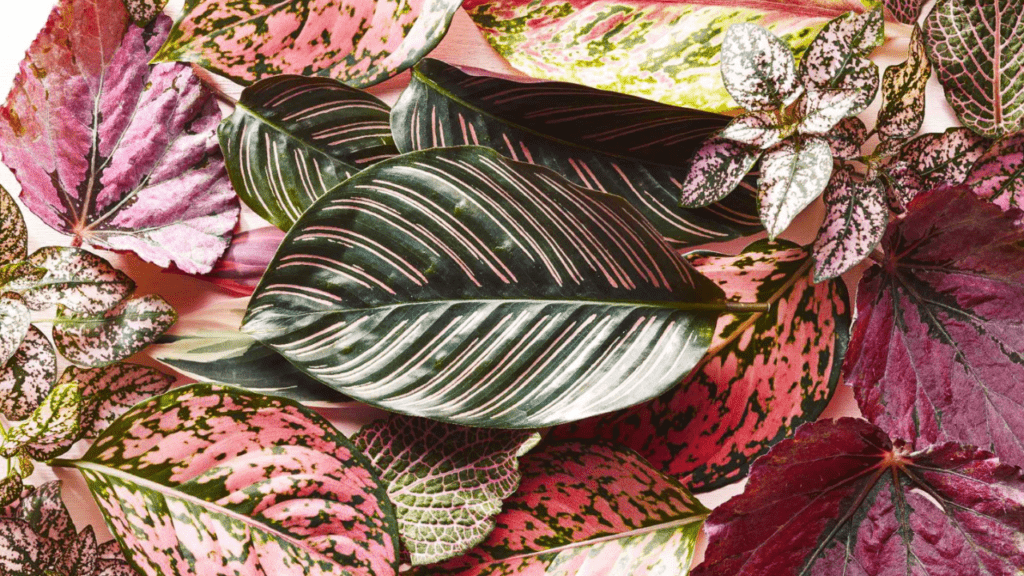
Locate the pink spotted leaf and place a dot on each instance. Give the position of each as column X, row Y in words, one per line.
column 28, row 376
column 758, row 69
column 717, row 168
column 143, row 12
column 847, row 138
column 13, row 233
column 110, row 391
column 51, row 428
column 903, row 93
column 998, row 174
column 821, row 109
column 856, row 215
column 98, row 341
column 79, row 281
column 931, row 160
column 757, row 129
column 793, row 174
column 15, row 319
column 11, row 488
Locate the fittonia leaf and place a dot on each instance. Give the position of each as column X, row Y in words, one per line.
column 998, row 174
column 903, row 93
column 51, row 428
column 79, row 131
column 108, row 392
column 103, row 340
column 934, row 355
column 843, row 498
column 758, row 69
column 79, row 281
column 447, row 482
column 478, row 290
column 213, row 481
column 15, row 319
column 905, row 11
column 856, row 216
column 765, row 374
column 240, row 269
column 28, row 376
column 931, row 160
column 14, row 233
column 793, row 174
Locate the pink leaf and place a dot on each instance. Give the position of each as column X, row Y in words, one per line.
column 855, row 220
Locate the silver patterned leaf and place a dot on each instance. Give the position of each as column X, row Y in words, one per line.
column 758, row 69
column 793, row 174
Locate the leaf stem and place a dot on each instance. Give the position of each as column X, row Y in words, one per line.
column 62, row 463
column 748, row 306
column 877, row 256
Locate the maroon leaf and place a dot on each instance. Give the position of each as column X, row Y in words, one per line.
column 931, row 160
column 999, row 173
column 247, row 258
column 855, row 220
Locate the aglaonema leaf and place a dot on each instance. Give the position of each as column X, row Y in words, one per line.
column 99, row 341
column 478, row 290
column 15, row 319
column 931, row 160
column 793, row 174
column 998, row 174
column 843, row 498
column 28, row 376
column 856, row 216
column 765, row 374
column 79, row 281
column 601, row 140
column 14, row 233
column 213, row 481
column 446, row 482
column 117, row 153
column 108, row 392
column 758, row 69
column 292, row 138
column 903, row 93
column 51, row 428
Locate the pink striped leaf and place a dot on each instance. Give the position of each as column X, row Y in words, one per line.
column 51, row 428
column 240, row 269
column 847, row 138
column 15, row 319
column 459, row 285
column 291, row 139
column 766, row 373
column 601, row 140
column 931, row 160
column 447, row 482
column 587, row 508
column 903, row 93
column 214, row 481
column 28, row 376
column 117, row 153
column 998, row 174
column 108, row 392
column 99, row 341
column 14, row 233
column 142, row 12
column 793, row 174
column 79, row 281
column 758, row 69
column 856, row 216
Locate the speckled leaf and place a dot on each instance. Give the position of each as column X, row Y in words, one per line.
column 13, row 233
column 142, row 12
column 856, row 216
column 213, row 481
column 839, row 47
column 846, row 139
column 587, row 508
column 757, row 129
column 758, row 69
column 34, row 531
column 601, row 140
column 108, row 392
column 903, row 93
column 98, row 341
column 292, row 138
column 842, row 498
column 766, row 373
column 50, row 430
column 447, row 482
column 998, row 174
column 77, row 280
column 27, row 377
column 240, row 269
column 977, row 48
column 793, row 174
column 357, row 42
column 117, row 153
column 905, row 11
column 22, row 270
column 715, row 171
column 15, row 318
column 11, row 488
column 821, row 109
column 931, row 160
column 935, row 350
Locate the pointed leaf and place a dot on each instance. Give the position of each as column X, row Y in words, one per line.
column 213, row 481
column 142, row 12
column 846, row 139
column 906, row 11
column 79, row 281
column 903, row 93
column 715, row 170
column 758, row 69
column 856, row 216
column 14, row 233
column 247, row 258
column 822, row 108
column 840, row 49
column 51, row 429
column 109, row 392
column 11, row 488
column 102, row 340
column 998, row 174
column 291, row 139
column 23, row 270
column 15, row 320
column 34, row 531
column 28, row 377
column 931, row 160
column 758, row 129
column 793, row 174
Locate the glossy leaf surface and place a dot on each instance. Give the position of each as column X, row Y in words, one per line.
column 109, row 392
column 903, row 93
column 856, row 217
column 102, row 340
column 793, row 174
column 28, row 376
column 931, row 160
column 79, row 281
column 998, row 174
column 13, row 233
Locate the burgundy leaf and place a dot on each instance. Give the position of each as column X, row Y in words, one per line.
column 28, row 377
column 855, row 220
column 931, row 160
column 903, row 93
column 846, row 139
column 999, row 173
column 247, row 258
column 715, row 171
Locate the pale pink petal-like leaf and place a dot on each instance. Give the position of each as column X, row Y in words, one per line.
column 103, row 340
column 822, row 108
column 793, row 174
column 903, row 93
column 50, row 430
column 28, row 376
column 846, row 139
column 15, row 318
column 110, row 391
column 77, row 280
column 758, row 69
column 840, row 48
column 13, row 233
column 856, row 215
column 998, row 174
column 758, row 129
column 931, row 160
column 717, row 168
column 247, row 258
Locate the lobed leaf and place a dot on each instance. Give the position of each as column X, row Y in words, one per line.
column 903, row 93
column 50, row 430
column 856, row 216
column 99, row 341
column 15, row 320
column 931, row 160
column 758, row 69
column 79, row 281
column 14, row 233
column 142, row 12
column 997, row 174
column 793, row 174
column 108, row 392
column 28, row 376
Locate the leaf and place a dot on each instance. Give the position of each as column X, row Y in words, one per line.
column 638, row 149
column 15, row 320
column 934, row 355
column 447, row 482
column 291, row 139
column 33, row 531
column 903, row 93
column 840, row 49
column 757, row 129
column 931, row 160
column 477, row 290
column 820, row 110
column 997, row 174
column 108, row 392
column 28, row 377
column 368, row 43
column 214, row 481
column 142, row 12
column 79, row 281
column 842, row 498
column 758, row 69
column 587, row 508
column 846, row 139
column 793, row 174
column 975, row 47
column 14, row 233
column 121, row 155
column 905, row 11
column 119, row 333
column 51, row 429
column 856, row 216
column 715, row 170
column 247, row 258
column 765, row 374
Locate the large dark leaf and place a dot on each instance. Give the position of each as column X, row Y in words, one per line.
column 459, row 285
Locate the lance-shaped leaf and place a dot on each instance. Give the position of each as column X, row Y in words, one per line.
column 79, row 281
column 102, row 340
column 587, row 508
column 856, row 216
column 935, row 350
column 793, row 174
column 975, row 46
column 213, row 481
column 14, row 233
column 35, row 530
column 715, row 171
column 357, row 42
column 291, row 139
column 998, row 174
column 846, row 139
column 50, row 430
column 931, row 160
column 28, row 376
column 459, row 285
column 247, row 258
column 766, row 373
column 108, row 392
column 15, row 319
column 447, row 482
column 142, row 12
column 758, row 69
column 601, row 140
column 117, row 153
column 843, row 498
column 905, row 11
column 903, row 93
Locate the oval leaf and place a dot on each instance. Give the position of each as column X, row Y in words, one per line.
column 28, row 376
column 102, row 340
column 846, row 139
column 14, row 233
column 856, row 216
column 758, row 69
column 51, row 428
column 15, row 319
column 931, row 160
column 715, row 171
column 793, row 174
column 840, row 49
column 108, row 392
column 998, row 174
column 79, row 281
column 903, row 93
column 142, row 12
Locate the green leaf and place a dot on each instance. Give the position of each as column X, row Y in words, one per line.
column 447, row 482
column 477, row 290
column 79, row 281
column 757, row 129
column 856, row 216
column 291, row 139
column 143, row 12
column 28, row 376
column 903, row 93
column 51, row 429
column 758, row 69
column 13, row 233
column 103, row 340
column 793, row 174
column 108, row 392
column 15, row 319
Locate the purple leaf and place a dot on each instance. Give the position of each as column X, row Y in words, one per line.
column 903, row 93
column 50, row 430
column 998, row 174
column 855, row 220
column 247, row 258
column 27, row 377
column 757, row 129
column 717, row 168
column 13, row 233
column 931, row 160
column 758, row 69
column 120, row 154
column 793, row 174
column 846, row 139
column 109, row 392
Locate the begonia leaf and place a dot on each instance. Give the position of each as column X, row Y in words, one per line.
column 758, row 69
column 903, row 93
column 856, row 216
column 998, row 174
column 79, row 281
column 28, row 376
column 98, row 341
column 15, row 319
column 51, row 428
column 793, row 174
column 13, row 233
column 108, row 392
column 931, row 160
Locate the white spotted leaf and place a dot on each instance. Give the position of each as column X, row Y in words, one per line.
column 98, row 341
column 793, row 174
column 110, row 391
column 51, row 428
column 903, row 93
column 143, row 12
column 842, row 43
column 847, row 138
column 13, row 233
column 758, row 129
column 758, row 69
column 15, row 318
column 821, row 109
column 28, row 376
column 715, row 170
column 856, row 216
column 998, row 174
column 79, row 281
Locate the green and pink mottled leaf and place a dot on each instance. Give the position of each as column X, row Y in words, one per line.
column 15, row 319
column 998, row 174
column 446, row 482
column 905, row 11
column 793, row 174
column 28, row 376
column 22, row 270
column 214, row 481
column 903, row 93
column 142, row 12
column 856, row 216
column 715, row 171
column 98, row 341
column 757, row 129
column 847, row 138
column 766, row 373
column 931, row 160
column 821, row 109
column 51, row 428
column 240, row 268
column 78, row 130
column 13, row 233
column 77, row 280
column 108, row 392
column 758, row 69
column 11, row 488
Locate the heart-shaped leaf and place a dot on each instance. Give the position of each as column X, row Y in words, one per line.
column 120, row 154
column 247, row 258
column 14, row 233
column 477, row 290
column 108, row 392
column 103, row 340
column 793, row 174
column 856, row 216
column 847, row 138
column 931, row 160
column 15, row 319
column 766, row 373
column 447, row 482
column 758, row 69
column 142, row 12
column 50, row 430
column 291, row 139
column 998, row 174
column 842, row 498
column 79, row 281
column 213, row 481
column 903, row 93
column 715, row 171
column 638, row 149
column 28, row 376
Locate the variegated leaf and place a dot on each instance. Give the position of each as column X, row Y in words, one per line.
column 13, row 233
column 28, row 376
column 839, row 48
column 15, row 319
column 587, row 508
column 108, row 392
column 447, row 482
column 98, row 341
column 847, row 138
column 715, row 171
column 35, row 530
column 77, row 280
column 247, row 258
column 757, row 129
column 931, row 160
column 856, row 216
column 213, row 481
column 50, row 430
column 903, row 93
column 998, row 174
column 142, row 12
column 357, row 42
column 758, row 69
column 291, row 139
column 822, row 108
column 906, row 11
column 766, row 373
column 793, row 174
column 11, row 488
column 478, row 290
column 22, row 270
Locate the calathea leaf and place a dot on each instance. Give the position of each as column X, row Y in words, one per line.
column 843, row 498
column 793, row 174
column 846, row 138
column 108, row 392
column 103, row 340
column 477, row 290
column 766, row 373
column 856, row 216
column 903, row 93
column 587, row 508
column 447, row 482
column 28, row 376
column 142, row 12
column 79, row 281
column 14, row 233
column 79, row 130
column 292, row 138
column 15, row 319
column 213, row 481
column 605, row 141
column 930, row 358
column 715, row 170
column 247, row 258
column 931, row 160
column 998, row 174
column 758, row 69
column 50, row 430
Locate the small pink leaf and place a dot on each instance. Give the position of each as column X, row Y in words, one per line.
column 50, row 430
column 27, row 377
column 931, row 160
column 717, row 168
column 998, row 174
column 842, row 43
column 13, row 233
column 758, row 69
column 15, row 318
column 855, row 220
column 79, row 281
column 143, row 12
column 846, row 139
column 793, row 174
column 114, row 336
column 822, row 108
column 758, row 129
column 903, row 93
column 109, row 392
